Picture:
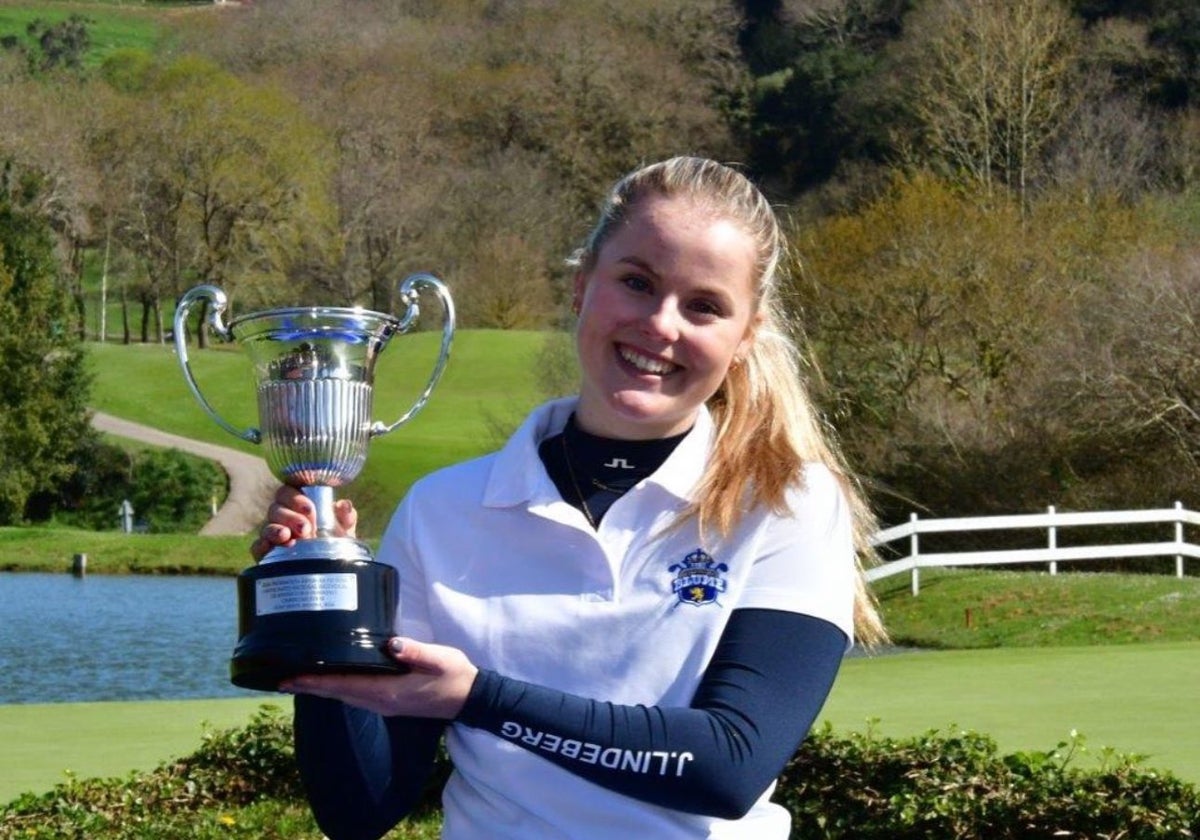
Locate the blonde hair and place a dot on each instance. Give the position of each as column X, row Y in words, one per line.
column 767, row 426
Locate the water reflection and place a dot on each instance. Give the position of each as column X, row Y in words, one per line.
column 115, row 637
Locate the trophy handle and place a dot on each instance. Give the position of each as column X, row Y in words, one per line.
column 218, row 302
column 410, row 293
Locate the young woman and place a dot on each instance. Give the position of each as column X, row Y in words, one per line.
column 626, row 620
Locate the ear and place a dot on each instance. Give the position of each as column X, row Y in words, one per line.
column 747, row 343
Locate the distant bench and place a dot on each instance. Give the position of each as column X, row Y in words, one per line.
column 1051, row 553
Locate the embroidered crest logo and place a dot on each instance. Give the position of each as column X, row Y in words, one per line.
column 698, row 579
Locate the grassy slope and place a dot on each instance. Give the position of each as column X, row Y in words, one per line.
column 489, row 384
column 1002, row 608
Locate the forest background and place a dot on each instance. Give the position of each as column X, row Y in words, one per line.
column 993, row 205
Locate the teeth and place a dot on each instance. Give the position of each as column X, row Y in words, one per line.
column 645, row 363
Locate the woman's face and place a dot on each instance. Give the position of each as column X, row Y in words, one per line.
column 664, row 310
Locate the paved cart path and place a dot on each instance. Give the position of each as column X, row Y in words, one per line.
column 251, row 485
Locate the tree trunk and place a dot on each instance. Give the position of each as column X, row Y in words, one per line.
column 159, row 334
column 103, row 336
column 76, row 267
column 126, row 338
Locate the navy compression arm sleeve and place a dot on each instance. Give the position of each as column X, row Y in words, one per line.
column 763, row 689
column 362, row 772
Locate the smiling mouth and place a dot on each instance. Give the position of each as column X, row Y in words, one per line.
column 645, row 364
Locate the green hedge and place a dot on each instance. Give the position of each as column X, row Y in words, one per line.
column 948, row 785
column 938, row 786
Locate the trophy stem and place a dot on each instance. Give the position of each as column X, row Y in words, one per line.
column 322, row 499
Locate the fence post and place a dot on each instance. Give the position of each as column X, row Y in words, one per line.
column 913, row 550
column 1052, row 540
column 1179, row 538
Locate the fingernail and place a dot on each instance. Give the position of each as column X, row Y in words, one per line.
column 395, row 645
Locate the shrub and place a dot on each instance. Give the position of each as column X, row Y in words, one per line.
column 170, row 491
column 942, row 786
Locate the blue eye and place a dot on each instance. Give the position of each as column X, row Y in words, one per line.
column 636, row 282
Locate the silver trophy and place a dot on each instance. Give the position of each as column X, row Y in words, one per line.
column 322, row 605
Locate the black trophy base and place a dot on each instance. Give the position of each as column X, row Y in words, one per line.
column 313, row 616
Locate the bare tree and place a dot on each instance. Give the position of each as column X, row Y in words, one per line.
column 1110, row 147
column 990, row 84
column 42, row 131
column 1141, row 370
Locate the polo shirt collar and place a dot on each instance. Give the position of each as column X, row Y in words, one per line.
column 518, row 477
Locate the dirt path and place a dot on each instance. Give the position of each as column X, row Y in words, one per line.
column 251, row 485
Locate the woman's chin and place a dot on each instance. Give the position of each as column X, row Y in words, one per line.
column 639, row 416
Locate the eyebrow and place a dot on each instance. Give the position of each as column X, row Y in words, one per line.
column 638, row 262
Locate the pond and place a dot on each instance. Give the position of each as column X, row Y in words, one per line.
column 115, row 637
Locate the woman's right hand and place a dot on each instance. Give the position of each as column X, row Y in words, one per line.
column 292, row 516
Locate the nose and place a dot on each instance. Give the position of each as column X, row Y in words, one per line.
column 663, row 319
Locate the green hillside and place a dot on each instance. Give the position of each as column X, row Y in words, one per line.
column 112, row 25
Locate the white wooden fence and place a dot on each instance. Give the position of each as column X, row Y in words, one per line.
column 1052, row 554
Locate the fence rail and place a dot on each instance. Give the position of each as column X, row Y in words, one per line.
column 1052, row 554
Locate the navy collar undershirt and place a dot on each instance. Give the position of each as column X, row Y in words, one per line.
column 592, row 472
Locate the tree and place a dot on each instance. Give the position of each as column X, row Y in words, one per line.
column 464, row 125
column 45, row 386
column 62, row 44
column 990, row 86
column 942, row 324
column 1132, row 370
column 819, row 99
column 42, row 134
column 222, row 181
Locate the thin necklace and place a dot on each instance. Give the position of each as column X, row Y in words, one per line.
column 600, row 485
column 587, row 512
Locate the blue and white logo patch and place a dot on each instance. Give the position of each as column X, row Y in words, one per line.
column 698, row 579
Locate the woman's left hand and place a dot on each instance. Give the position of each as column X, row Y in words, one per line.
column 436, row 686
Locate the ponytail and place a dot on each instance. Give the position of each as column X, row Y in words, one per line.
column 766, row 431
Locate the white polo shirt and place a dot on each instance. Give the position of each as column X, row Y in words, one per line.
column 494, row 562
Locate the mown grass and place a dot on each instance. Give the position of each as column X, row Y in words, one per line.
column 113, row 552
column 46, row 743
column 1131, row 699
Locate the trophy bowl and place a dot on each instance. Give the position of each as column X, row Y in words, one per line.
column 321, row 605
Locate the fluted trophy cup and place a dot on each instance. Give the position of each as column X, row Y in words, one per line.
column 322, row 605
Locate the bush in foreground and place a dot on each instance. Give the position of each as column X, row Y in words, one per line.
column 939, row 786
column 955, row 785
